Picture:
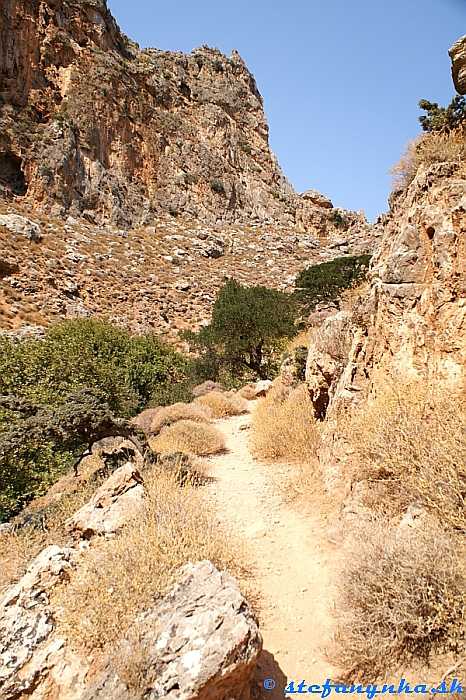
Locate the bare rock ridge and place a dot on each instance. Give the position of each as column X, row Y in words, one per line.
column 91, row 125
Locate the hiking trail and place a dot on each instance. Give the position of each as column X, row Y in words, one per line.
column 291, row 558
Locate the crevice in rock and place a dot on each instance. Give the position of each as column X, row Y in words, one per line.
column 11, row 173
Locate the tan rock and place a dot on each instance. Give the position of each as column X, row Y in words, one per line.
column 458, row 68
column 115, row 502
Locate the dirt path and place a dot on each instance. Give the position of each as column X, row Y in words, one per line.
column 291, row 556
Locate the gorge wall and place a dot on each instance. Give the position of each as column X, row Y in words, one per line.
column 91, row 125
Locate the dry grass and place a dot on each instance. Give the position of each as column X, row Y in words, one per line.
column 426, row 150
column 248, row 391
column 19, row 548
column 206, row 388
column 124, row 575
column 401, row 598
column 176, row 412
column 190, row 437
column 414, row 441
column 223, row 405
column 284, row 426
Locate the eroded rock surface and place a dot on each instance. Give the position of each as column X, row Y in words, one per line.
column 26, row 623
column 200, row 642
column 112, row 505
column 458, row 68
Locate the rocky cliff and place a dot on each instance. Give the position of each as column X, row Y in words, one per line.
column 410, row 323
column 92, row 125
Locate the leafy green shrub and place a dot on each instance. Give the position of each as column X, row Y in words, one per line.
column 326, row 281
column 337, row 218
column 217, row 65
column 444, row 119
column 217, row 186
column 89, row 353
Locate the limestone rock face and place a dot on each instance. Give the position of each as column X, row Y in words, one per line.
column 26, row 623
column 411, row 323
column 91, row 125
column 458, row 68
column 200, row 642
column 112, row 504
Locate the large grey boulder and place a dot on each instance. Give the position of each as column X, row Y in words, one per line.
column 200, row 642
column 21, row 226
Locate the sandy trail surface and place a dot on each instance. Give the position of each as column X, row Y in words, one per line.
column 292, row 559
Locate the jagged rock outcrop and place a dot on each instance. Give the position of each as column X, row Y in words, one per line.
column 26, row 624
column 200, row 642
column 113, row 504
column 411, row 323
column 91, row 125
column 458, row 69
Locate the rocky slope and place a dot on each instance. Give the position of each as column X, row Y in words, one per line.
column 410, row 323
column 92, row 125
column 162, row 277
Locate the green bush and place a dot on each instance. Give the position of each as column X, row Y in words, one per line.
column 326, row 281
column 127, row 371
column 337, row 218
column 217, row 186
column 89, row 353
column 443, row 119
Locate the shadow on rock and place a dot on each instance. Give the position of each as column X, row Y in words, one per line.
column 268, row 668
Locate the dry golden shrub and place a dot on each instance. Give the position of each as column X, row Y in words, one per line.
column 122, row 576
column 223, row 405
column 190, row 437
column 248, row 391
column 414, row 440
column 176, row 412
column 426, row 150
column 284, row 426
column 401, row 598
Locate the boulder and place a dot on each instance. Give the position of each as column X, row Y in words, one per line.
column 21, row 226
column 113, row 504
column 458, row 65
column 199, row 642
column 317, row 199
column 262, row 387
column 26, row 622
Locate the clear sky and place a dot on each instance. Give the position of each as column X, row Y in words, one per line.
column 341, row 79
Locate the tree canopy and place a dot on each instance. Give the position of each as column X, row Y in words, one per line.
column 443, row 119
column 326, row 281
column 247, row 325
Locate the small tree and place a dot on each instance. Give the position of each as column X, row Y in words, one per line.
column 247, row 325
column 443, row 119
column 326, row 281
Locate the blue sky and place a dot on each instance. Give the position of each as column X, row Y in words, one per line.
column 341, row 79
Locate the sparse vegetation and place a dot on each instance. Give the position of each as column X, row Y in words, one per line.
column 284, row 426
column 402, row 596
column 427, row 149
column 222, row 405
column 337, row 218
column 190, row 437
column 176, row 412
column 414, row 441
column 128, row 572
column 217, row 186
